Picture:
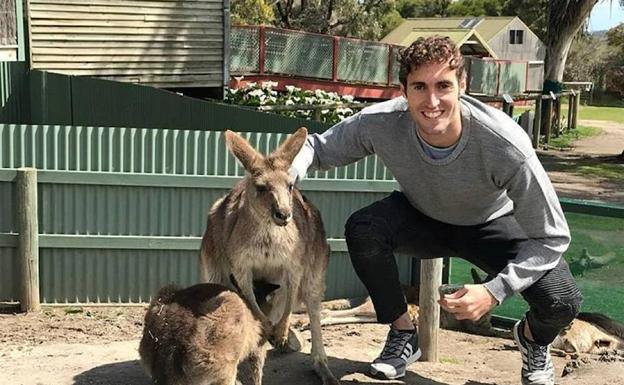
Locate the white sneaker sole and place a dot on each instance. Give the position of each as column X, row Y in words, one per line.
column 379, row 374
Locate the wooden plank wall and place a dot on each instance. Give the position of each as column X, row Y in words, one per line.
column 8, row 35
column 161, row 43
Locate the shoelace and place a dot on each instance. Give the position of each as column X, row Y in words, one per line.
column 538, row 355
column 395, row 344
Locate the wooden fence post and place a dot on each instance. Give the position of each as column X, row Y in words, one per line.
column 577, row 106
column 557, row 106
column 28, row 240
column 547, row 120
column 429, row 313
column 571, row 100
column 537, row 123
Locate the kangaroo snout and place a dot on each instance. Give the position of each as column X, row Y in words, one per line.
column 282, row 217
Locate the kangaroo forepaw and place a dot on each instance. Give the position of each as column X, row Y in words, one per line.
column 287, row 342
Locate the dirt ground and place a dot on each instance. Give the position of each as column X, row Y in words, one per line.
column 98, row 346
column 608, row 147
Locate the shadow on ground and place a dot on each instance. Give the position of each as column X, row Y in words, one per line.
column 119, row 373
column 293, row 368
column 570, row 162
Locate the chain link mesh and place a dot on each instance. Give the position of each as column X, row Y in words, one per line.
column 244, row 51
column 361, row 61
column 299, row 54
column 512, row 78
column 535, row 78
column 396, row 65
column 482, row 77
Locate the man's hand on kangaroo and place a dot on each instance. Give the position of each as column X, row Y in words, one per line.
column 470, row 302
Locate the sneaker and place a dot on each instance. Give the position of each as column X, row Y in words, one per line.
column 537, row 366
column 401, row 349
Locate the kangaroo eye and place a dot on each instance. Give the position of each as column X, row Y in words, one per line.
column 290, row 186
column 261, row 188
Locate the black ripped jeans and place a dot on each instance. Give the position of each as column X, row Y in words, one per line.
column 392, row 224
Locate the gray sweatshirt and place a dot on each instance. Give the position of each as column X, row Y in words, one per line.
column 491, row 172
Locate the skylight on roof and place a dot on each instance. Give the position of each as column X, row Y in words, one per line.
column 470, row 22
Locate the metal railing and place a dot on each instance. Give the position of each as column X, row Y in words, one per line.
column 266, row 50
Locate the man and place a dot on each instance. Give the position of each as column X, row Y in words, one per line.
column 471, row 186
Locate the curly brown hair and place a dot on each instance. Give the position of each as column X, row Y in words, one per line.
column 426, row 50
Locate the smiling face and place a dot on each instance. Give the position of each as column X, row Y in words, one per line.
column 432, row 91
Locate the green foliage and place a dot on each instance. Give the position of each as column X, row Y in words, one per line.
column 615, row 80
column 355, row 18
column 251, row 12
column 264, row 95
column 615, row 36
column 476, row 8
column 423, row 8
column 390, row 21
column 532, row 12
column 586, row 59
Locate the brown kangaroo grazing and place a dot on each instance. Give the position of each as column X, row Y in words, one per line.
column 264, row 229
column 198, row 336
column 361, row 310
column 591, row 333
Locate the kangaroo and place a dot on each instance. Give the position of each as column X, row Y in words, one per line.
column 591, row 333
column 361, row 310
column 198, row 336
column 264, row 229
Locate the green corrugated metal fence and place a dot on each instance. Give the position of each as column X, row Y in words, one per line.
column 149, row 151
column 111, row 199
column 126, row 216
column 100, row 232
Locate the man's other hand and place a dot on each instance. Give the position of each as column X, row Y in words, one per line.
column 470, row 302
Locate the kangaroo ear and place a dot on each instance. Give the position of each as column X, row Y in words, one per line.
column 241, row 149
column 291, row 146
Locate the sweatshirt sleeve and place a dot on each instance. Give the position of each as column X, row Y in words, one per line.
column 537, row 210
column 344, row 143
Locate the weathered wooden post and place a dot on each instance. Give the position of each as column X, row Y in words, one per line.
column 577, row 106
column 548, row 120
column 557, row 106
column 537, row 123
column 571, row 101
column 429, row 312
column 28, row 240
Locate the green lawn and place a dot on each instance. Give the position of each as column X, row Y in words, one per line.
column 565, row 140
column 614, row 114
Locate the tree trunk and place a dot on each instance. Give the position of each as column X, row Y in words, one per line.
column 565, row 18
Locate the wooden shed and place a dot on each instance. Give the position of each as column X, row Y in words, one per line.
column 160, row 43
